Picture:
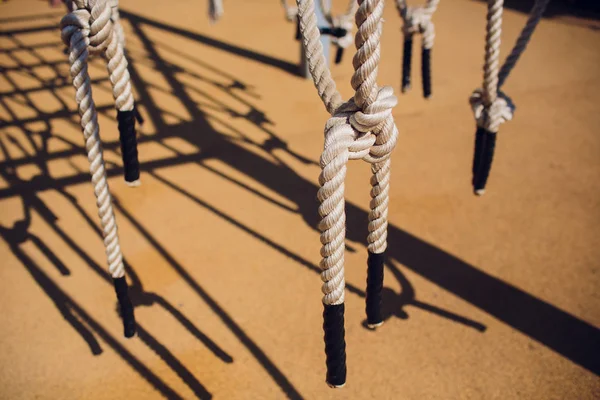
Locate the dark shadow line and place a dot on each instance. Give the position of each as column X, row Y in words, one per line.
column 47, row 116
column 278, row 377
column 233, row 49
column 292, row 256
column 29, row 30
column 36, row 17
column 448, row 315
column 138, row 295
column 187, row 324
column 53, row 258
column 53, row 293
column 184, row 374
column 65, row 304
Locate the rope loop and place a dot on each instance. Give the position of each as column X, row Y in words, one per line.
column 418, row 20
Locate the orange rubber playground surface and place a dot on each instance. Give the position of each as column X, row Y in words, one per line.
column 492, row 297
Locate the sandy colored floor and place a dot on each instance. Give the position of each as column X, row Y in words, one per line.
column 486, row 298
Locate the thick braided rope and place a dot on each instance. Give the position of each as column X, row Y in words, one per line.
column 118, row 72
column 534, row 18
column 361, row 128
column 490, row 107
column 76, row 31
column 116, row 19
column 418, row 20
column 104, row 39
column 317, row 65
column 492, row 52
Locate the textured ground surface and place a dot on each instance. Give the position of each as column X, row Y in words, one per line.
column 486, row 298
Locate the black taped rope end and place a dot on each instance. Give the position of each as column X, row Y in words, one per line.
column 485, row 144
column 127, row 137
column 335, row 344
column 426, row 72
column 125, row 306
column 374, row 289
column 339, row 54
column 406, row 63
column 298, row 33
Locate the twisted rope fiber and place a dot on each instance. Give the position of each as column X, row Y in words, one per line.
column 116, row 19
column 317, row 65
column 110, row 42
column 361, row 128
column 490, row 106
column 77, row 28
column 86, row 30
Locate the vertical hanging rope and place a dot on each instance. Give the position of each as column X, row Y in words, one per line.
column 116, row 19
column 86, row 30
column 492, row 107
column 317, row 65
column 361, row 128
column 122, row 93
column 417, row 20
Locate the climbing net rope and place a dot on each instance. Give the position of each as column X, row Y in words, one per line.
column 90, row 29
column 417, row 20
column 360, row 128
column 492, row 107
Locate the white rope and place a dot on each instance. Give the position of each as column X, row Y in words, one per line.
column 492, row 107
column 491, row 110
column 116, row 19
column 317, row 65
column 361, row 128
column 89, row 29
column 418, row 20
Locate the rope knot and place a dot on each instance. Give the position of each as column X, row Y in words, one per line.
column 93, row 18
column 491, row 116
column 369, row 132
column 418, row 20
